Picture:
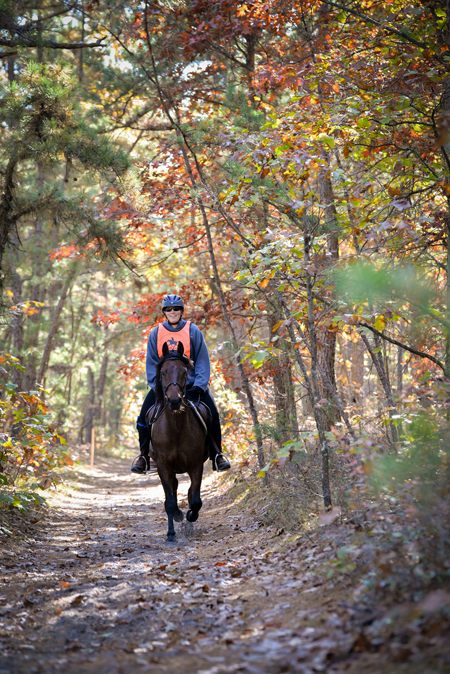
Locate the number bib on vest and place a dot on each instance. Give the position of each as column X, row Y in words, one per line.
column 172, row 339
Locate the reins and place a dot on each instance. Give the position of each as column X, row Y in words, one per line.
column 186, row 402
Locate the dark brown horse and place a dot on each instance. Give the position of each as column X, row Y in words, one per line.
column 178, row 436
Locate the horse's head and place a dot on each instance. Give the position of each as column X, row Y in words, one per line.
column 173, row 371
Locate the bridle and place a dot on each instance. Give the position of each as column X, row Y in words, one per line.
column 175, row 383
column 185, row 402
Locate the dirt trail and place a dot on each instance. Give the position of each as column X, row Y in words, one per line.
column 100, row 592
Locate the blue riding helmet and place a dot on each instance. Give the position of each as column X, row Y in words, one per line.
column 172, row 301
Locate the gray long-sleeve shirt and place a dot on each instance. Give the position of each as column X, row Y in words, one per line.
column 200, row 375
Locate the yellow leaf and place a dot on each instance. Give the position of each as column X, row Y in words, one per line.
column 10, row 293
column 380, row 323
column 264, row 283
column 276, row 326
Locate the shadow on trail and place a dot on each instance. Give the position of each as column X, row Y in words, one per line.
column 101, row 592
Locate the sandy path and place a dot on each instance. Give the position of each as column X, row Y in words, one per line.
column 99, row 591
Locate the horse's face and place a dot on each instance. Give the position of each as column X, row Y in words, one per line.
column 173, row 380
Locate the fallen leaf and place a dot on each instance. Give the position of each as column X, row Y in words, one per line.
column 76, row 601
column 328, row 516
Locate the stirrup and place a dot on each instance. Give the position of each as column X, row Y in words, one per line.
column 134, row 462
column 215, row 466
column 150, row 465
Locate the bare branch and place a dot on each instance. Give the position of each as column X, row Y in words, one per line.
column 411, row 349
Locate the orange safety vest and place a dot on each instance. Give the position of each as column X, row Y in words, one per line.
column 172, row 339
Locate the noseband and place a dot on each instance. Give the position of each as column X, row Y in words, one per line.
column 175, row 383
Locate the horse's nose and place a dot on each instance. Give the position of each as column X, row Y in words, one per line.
column 175, row 404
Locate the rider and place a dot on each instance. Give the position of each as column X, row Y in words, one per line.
column 173, row 330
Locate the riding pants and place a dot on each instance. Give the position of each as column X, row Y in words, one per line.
column 144, row 432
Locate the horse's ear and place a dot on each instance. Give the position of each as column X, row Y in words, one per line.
column 165, row 350
column 180, row 349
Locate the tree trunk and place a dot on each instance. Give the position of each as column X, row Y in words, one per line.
column 285, row 406
column 17, row 327
column 53, row 329
column 400, row 352
column 357, row 372
column 317, row 407
column 101, row 386
column 384, row 381
column 445, row 151
column 88, row 420
column 326, row 337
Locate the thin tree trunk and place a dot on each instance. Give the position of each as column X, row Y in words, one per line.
column 52, row 332
column 184, row 147
column 11, row 70
column 384, row 381
column 88, row 421
column 81, row 51
column 286, row 413
column 400, row 352
column 243, row 375
column 445, row 151
column 357, row 371
column 17, row 327
column 327, row 337
column 318, row 413
column 101, row 385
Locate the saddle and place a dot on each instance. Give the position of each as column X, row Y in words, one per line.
column 201, row 409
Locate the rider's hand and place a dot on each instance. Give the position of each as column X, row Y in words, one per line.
column 194, row 394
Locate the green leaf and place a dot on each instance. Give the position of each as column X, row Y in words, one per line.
column 264, row 470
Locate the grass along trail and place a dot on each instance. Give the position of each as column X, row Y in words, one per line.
column 97, row 590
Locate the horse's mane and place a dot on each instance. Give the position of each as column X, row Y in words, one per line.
column 159, row 394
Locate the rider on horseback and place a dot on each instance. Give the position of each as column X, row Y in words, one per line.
column 175, row 329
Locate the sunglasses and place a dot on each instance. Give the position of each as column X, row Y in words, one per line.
column 167, row 311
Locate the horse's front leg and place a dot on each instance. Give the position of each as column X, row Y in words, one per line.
column 194, row 500
column 170, row 504
column 178, row 513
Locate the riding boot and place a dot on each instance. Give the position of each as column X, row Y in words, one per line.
column 219, row 462
column 143, row 463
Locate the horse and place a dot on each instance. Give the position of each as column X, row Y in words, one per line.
column 178, row 435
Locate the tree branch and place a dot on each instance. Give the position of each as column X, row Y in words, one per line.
column 404, row 34
column 416, row 352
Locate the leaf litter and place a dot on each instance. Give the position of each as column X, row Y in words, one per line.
column 95, row 589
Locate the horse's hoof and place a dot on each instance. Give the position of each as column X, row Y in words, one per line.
column 191, row 516
column 178, row 517
column 170, row 538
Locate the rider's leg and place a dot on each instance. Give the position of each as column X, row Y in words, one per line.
column 141, row 464
column 218, row 460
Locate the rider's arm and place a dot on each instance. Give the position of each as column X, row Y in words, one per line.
column 200, row 356
column 152, row 358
